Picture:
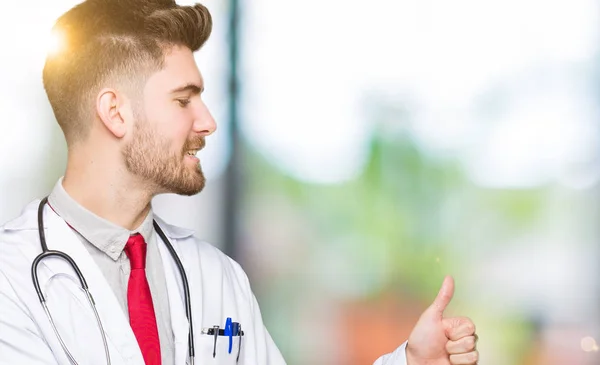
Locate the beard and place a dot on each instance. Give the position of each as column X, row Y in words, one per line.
column 148, row 156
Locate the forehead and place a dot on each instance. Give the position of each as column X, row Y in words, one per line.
column 179, row 69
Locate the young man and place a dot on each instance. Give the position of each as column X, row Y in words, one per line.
column 126, row 92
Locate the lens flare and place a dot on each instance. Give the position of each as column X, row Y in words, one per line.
column 588, row 344
column 56, row 42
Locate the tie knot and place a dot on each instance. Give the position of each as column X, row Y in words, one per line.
column 135, row 248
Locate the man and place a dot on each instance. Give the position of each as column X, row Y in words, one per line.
column 126, row 92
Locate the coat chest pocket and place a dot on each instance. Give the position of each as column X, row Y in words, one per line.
column 206, row 347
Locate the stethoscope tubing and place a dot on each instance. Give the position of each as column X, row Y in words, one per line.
column 84, row 286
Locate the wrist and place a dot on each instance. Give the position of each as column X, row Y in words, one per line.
column 411, row 358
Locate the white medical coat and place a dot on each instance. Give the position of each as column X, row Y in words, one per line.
column 219, row 289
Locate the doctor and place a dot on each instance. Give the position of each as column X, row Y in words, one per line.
column 127, row 94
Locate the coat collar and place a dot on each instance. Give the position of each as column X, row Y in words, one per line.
column 28, row 221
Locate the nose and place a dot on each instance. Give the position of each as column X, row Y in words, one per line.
column 204, row 122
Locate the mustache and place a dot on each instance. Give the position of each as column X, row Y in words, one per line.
column 196, row 143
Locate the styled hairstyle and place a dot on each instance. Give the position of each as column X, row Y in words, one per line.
column 114, row 43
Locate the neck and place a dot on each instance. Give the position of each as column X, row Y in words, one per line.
column 113, row 195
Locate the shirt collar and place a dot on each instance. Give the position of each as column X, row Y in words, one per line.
column 103, row 234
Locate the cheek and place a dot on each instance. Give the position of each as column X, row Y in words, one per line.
column 172, row 123
column 158, row 112
column 179, row 123
column 169, row 119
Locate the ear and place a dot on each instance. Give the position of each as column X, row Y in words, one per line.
column 111, row 106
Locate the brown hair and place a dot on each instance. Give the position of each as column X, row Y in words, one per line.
column 114, row 41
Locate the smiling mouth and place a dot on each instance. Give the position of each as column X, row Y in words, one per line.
column 194, row 145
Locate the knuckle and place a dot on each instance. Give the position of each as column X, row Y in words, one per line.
column 474, row 357
column 453, row 360
column 449, row 346
column 461, row 319
column 470, row 326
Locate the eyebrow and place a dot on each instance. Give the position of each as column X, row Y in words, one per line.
column 193, row 88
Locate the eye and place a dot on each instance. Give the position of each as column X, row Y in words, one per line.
column 183, row 102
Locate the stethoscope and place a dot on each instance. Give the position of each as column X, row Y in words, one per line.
column 48, row 253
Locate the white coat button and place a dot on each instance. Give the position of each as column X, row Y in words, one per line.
column 113, row 249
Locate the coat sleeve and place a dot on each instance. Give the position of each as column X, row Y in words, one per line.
column 398, row 357
column 263, row 351
column 20, row 340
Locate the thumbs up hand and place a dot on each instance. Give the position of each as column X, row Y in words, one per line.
column 436, row 340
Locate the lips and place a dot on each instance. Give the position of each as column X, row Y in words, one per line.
column 192, row 148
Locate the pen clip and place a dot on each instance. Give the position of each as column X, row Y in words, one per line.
column 216, row 335
column 239, row 333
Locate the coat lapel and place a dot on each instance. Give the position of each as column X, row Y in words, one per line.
column 180, row 324
column 120, row 337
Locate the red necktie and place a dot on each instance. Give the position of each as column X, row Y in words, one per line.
column 139, row 302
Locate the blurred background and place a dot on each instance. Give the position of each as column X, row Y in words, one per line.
column 365, row 150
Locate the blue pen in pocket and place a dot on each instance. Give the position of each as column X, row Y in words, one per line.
column 228, row 331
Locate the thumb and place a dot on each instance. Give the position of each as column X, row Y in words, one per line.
column 444, row 296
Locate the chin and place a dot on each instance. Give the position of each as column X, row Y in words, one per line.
column 190, row 192
column 181, row 180
column 189, row 186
